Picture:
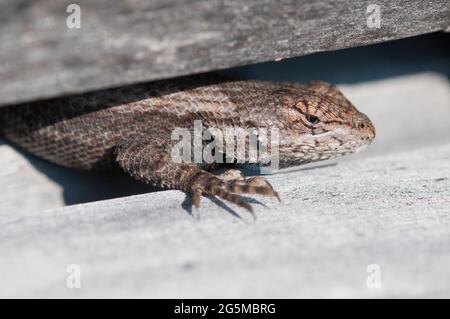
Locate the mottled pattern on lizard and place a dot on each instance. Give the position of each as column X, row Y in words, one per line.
column 130, row 127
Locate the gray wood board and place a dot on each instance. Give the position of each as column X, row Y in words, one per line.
column 124, row 42
column 391, row 211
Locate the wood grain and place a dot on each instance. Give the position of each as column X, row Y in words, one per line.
column 125, row 42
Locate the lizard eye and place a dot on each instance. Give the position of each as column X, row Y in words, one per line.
column 312, row 119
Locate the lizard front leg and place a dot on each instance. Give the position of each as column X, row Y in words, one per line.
column 149, row 160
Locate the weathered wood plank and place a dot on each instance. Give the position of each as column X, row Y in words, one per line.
column 333, row 223
column 129, row 41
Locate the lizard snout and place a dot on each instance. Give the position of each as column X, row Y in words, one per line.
column 364, row 127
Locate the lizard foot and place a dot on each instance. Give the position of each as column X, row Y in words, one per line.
column 232, row 189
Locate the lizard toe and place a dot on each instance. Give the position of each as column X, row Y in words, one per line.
column 196, row 195
column 255, row 185
column 232, row 198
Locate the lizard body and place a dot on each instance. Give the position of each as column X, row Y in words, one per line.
column 130, row 127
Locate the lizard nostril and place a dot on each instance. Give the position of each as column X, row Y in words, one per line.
column 361, row 126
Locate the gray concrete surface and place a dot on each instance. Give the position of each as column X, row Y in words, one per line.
column 388, row 206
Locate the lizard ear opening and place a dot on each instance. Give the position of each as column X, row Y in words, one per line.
column 286, row 101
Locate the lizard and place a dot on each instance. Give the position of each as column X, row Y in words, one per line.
column 130, row 128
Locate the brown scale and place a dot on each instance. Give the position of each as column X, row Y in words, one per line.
column 130, row 127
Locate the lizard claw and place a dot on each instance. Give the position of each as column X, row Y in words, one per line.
column 263, row 186
column 196, row 195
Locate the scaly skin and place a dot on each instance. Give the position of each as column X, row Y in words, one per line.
column 132, row 126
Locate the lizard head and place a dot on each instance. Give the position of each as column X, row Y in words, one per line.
column 321, row 124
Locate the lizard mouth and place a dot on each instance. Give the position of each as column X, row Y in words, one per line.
column 361, row 148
